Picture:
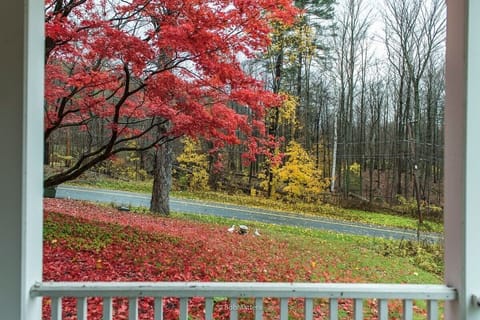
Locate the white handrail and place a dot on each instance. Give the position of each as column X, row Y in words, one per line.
column 234, row 290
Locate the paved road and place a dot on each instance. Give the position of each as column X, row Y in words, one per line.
column 239, row 212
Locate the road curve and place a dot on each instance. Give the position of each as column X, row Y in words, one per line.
column 240, row 212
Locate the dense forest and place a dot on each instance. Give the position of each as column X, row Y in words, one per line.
column 356, row 112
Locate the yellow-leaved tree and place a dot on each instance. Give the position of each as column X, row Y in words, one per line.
column 298, row 178
column 192, row 171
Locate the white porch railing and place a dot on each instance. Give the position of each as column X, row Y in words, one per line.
column 234, row 291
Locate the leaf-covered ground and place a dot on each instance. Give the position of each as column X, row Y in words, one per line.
column 84, row 242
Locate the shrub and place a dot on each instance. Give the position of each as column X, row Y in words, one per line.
column 426, row 255
column 192, row 167
column 298, row 178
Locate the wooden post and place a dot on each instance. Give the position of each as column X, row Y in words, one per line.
column 21, row 143
column 462, row 170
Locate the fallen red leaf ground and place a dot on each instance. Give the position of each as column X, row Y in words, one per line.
column 85, row 242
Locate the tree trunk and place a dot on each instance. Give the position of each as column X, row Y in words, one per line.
column 334, row 161
column 46, row 153
column 162, row 179
column 273, row 128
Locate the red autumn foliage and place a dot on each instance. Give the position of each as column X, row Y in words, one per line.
column 118, row 71
column 84, row 242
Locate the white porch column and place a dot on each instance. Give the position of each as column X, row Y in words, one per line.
column 462, row 159
column 21, row 121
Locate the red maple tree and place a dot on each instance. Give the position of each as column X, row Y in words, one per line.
column 130, row 75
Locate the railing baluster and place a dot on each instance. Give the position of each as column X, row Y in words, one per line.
column 82, row 308
column 351, row 293
column 382, row 309
column 432, row 310
column 56, row 308
column 308, row 309
column 183, row 308
column 233, row 309
column 358, row 309
column 107, row 308
column 133, row 309
column 208, row 308
column 333, row 306
column 258, row 308
column 158, row 308
column 284, row 309
column 407, row 309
